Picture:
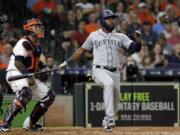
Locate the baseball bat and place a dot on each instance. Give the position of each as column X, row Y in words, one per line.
column 17, row 77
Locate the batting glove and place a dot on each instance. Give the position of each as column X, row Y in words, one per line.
column 62, row 65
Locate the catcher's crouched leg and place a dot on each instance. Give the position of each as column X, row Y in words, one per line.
column 23, row 98
column 39, row 110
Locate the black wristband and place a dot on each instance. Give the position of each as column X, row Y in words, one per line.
column 69, row 60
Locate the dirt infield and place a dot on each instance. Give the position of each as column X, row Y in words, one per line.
column 99, row 131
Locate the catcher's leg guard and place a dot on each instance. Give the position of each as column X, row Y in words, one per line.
column 41, row 107
column 11, row 112
column 23, row 97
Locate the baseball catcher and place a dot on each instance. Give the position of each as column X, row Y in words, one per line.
column 25, row 59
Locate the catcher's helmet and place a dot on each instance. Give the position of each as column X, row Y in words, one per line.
column 34, row 27
column 105, row 14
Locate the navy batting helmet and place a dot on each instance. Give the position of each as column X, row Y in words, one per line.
column 105, row 14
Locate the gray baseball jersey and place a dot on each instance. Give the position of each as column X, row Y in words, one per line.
column 106, row 47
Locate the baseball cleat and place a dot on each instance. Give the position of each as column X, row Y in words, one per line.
column 28, row 126
column 108, row 129
column 111, row 123
column 4, row 127
column 108, row 124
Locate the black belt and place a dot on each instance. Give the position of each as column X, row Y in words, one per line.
column 107, row 68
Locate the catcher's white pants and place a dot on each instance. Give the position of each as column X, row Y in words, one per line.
column 39, row 89
column 110, row 82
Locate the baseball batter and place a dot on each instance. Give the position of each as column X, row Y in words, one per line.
column 25, row 59
column 105, row 45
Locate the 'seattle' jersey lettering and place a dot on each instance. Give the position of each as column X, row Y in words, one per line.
column 105, row 47
column 97, row 43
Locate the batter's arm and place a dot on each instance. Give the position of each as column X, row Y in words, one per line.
column 135, row 46
column 75, row 57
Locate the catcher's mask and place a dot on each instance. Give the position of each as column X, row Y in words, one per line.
column 105, row 14
column 34, row 27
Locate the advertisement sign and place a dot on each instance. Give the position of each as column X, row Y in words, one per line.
column 140, row 104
